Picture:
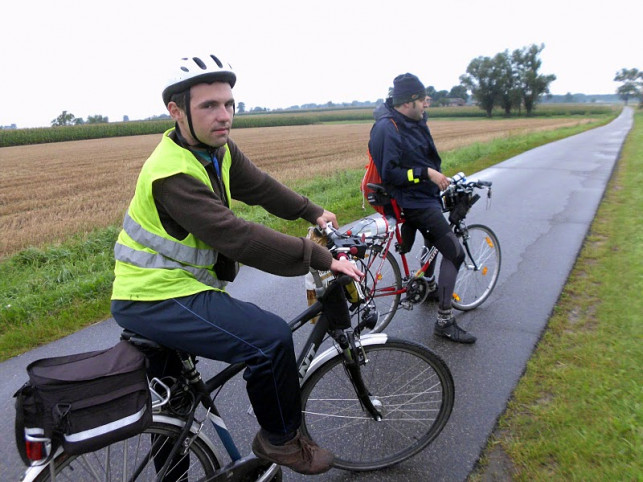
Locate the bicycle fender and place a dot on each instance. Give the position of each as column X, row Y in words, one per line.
column 329, row 353
column 194, row 430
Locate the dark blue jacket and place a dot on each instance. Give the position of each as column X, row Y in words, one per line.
column 402, row 151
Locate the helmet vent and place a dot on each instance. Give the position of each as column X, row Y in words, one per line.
column 217, row 61
column 200, row 63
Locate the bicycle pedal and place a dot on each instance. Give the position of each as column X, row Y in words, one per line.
column 407, row 305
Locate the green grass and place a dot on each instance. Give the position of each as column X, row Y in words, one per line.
column 577, row 413
column 48, row 293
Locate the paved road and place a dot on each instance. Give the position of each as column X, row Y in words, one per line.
column 543, row 204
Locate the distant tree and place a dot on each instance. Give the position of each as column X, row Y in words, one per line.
column 125, row 118
column 78, row 121
column 64, row 119
column 569, row 97
column 97, row 119
column 484, row 81
column 458, row 92
column 438, row 97
column 530, row 83
column 241, row 107
column 507, row 81
column 632, row 87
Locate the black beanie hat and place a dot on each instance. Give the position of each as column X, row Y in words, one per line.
column 407, row 88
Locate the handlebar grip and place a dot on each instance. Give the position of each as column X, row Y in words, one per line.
column 343, row 279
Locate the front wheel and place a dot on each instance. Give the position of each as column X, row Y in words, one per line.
column 409, row 385
column 479, row 271
column 382, row 286
column 137, row 458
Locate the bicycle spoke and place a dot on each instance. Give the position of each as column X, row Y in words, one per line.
column 479, row 272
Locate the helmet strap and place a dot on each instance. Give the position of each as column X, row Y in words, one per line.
column 188, row 113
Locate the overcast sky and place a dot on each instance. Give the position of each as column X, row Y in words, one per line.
column 110, row 58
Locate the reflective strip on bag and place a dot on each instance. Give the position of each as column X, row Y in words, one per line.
column 143, row 259
column 167, row 247
column 34, row 432
column 105, row 429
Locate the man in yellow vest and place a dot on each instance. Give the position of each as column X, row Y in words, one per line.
column 180, row 245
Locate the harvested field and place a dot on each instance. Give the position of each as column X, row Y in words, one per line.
column 50, row 191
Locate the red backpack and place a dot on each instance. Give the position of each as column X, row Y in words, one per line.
column 371, row 176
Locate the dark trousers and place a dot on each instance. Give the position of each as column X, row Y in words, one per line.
column 214, row 325
column 436, row 231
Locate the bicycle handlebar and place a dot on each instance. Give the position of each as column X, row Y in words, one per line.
column 344, row 245
column 460, row 180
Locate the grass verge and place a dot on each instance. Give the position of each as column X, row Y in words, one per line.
column 49, row 293
column 577, row 413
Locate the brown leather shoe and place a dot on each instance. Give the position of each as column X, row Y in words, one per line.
column 300, row 454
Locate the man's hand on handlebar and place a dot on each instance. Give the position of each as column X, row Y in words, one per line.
column 342, row 263
column 327, row 218
column 344, row 266
column 438, row 179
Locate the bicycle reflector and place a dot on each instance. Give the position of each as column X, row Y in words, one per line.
column 35, row 450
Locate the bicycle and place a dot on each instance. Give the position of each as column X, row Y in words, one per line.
column 384, row 285
column 384, row 398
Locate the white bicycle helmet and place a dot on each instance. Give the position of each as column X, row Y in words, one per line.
column 197, row 70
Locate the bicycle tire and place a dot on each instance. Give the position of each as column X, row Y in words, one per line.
column 473, row 287
column 118, row 461
column 378, row 295
column 414, row 388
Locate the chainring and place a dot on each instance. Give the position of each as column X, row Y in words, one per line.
column 417, row 289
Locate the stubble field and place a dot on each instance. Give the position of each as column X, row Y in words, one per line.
column 51, row 191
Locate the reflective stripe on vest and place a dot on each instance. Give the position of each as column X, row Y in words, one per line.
column 143, row 259
column 167, row 247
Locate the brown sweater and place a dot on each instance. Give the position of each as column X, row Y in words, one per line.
column 186, row 205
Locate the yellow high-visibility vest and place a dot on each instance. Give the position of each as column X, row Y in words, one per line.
column 150, row 264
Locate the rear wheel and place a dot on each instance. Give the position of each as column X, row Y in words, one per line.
column 479, row 272
column 409, row 385
column 137, row 458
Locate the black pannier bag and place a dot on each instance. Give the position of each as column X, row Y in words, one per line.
column 84, row 401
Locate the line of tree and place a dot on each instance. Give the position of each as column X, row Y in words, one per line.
column 508, row 80
column 632, row 85
column 511, row 81
column 69, row 119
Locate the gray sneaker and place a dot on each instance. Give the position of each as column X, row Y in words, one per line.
column 453, row 332
column 300, row 454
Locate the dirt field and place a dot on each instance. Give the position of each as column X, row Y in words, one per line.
column 50, row 191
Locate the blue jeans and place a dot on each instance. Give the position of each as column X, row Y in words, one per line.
column 213, row 325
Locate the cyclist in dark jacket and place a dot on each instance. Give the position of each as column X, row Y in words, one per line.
column 410, row 167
